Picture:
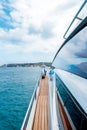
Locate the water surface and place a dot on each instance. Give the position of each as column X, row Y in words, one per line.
column 16, row 87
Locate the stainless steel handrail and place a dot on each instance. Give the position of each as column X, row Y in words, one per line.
column 77, row 30
column 25, row 121
column 76, row 17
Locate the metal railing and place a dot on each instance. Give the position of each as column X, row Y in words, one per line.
column 53, row 112
column 76, row 17
column 27, row 115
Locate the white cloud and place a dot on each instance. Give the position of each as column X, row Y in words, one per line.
column 48, row 18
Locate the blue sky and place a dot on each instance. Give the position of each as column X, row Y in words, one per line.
column 32, row 31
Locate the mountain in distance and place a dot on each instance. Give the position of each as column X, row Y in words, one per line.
column 27, row 64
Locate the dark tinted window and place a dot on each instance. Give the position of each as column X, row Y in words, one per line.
column 74, row 110
column 84, row 123
column 58, row 83
column 63, row 94
column 74, row 113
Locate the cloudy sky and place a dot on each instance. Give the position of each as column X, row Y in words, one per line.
column 32, row 30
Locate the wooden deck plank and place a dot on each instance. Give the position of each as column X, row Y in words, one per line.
column 46, row 112
column 36, row 119
column 41, row 114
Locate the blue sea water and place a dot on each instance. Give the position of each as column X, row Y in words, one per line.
column 16, row 88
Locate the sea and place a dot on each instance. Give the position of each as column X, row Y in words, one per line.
column 16, row 88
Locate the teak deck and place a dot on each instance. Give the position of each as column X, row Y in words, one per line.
column 41, row 113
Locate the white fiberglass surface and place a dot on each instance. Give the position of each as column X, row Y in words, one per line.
column 76, row 85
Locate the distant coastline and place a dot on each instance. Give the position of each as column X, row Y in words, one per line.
column 27, row 64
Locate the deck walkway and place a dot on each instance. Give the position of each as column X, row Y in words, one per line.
column 41, row 114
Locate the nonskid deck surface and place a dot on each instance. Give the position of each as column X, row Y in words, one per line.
column 41, row 114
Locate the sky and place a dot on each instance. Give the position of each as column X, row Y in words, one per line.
column 74, row 52
column 32, row 30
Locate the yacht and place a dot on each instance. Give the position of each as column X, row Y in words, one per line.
column 59, row 101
